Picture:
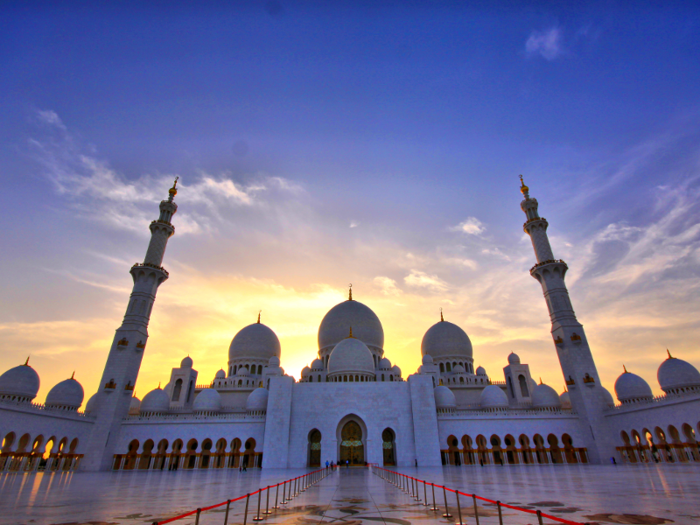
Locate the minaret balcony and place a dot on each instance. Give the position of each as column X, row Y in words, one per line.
column 149, row 265
column 550, row 262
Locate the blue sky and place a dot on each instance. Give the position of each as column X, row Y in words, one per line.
column 322, row 143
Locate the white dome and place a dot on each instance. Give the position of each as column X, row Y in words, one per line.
column 317, row 365
column 565, row 400
column 242, row 372
column 608, row 397
column 459, row 369
column 257, row 400
column 444, row 398
column 445, row 339
column 631, row 387
column 91, row 405
column 134, row 406
column 68, row 393
column 155, row 401
column 208, row 400
column 531, row 383
column 384, row 364
column 493, row 397
column 480, row 371
column 21, row 381
column 274, row 361
column 221, row 374
column 255, row 341
column 352, row 356
column 427, row 359
column 396, row 371
column 337, row 322
column 544, row 396
column 513, row 359
column 675, row 373
column 186, row 362
column 305, row 371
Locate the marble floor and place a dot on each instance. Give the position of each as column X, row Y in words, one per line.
column 639, row 494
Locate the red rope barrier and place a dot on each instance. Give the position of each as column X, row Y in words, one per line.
column 529, row 511
column 203, row 509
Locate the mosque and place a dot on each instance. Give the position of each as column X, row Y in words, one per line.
column 351, row 404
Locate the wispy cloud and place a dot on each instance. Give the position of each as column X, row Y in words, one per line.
column 421, row 279
column 470, row 226
column 547, row 44
column 387, row 285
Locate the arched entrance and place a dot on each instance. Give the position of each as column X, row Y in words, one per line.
column 389, row 447
column 352, row 449
column 314, row 448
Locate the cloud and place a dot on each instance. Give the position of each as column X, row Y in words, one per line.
column 456, row 261
column 354, row 224
column 471, row 226
column 387, row 285
column 547, row 44
column 51, row 118
column 423, row 280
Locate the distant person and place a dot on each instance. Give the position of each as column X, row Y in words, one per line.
column 613, row 460
column 347, row 463
column 416, row 463
column 327, row 465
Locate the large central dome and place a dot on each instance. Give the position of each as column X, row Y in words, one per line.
column 337, row 322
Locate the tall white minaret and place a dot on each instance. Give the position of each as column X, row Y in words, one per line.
column 125, row 355
column 580, row 373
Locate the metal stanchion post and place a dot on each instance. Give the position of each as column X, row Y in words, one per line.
column 196, row 519
column 434, row 509
column 258, row 517
column 277, row 493
column 447, row 510
column 476, row 509
column 459, row 509
column 417, row 496
column 267, row 502
column 303, row 484
column 425, row 495
column 245, row 514
column 228, row 507
column 284, row 493
column 500, row 514
column 539, row 517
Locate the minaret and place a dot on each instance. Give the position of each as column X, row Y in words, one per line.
column 575, row 358
column 125, row 355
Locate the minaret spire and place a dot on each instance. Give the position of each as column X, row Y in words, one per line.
column 350, row 294
column 575, row 357
column 259, row 316
column 442, row 319
column 125, row 356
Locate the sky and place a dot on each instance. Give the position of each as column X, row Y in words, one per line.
column 320, row 144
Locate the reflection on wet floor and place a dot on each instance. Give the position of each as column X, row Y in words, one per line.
column 653, row 494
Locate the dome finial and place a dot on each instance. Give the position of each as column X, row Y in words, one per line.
column 350, row 333
column 158, row 385
column 540, row 380
column 26, row 363
column 669, row 354
column 625, row 369
column 350, row 294
column 173, row 191
column 73, row 376
column 523, row 189
column 441, row 316
column 259, row 316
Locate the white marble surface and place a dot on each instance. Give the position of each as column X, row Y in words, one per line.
column 355, row 496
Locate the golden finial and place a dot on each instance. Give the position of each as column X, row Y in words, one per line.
column 669, row 354
column 523, row 189
column 259, row 316
column 540, row 380
column 625, row 369
column 73, row 376
column 350, row 294
column 173, row 191
column 158, row 385
column 26, row 363
column 350, row 333
column 441, row 316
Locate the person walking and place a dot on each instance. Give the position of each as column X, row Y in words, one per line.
column 327, row 465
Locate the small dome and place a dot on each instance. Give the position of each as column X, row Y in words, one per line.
column 384, row 364
column 631, row 387
column 396, row 371
column 365, row 325
column 257, row 400
column 493, row 397
column 351, row 355
column 459, row 369
column 255, row 341
column 21, row 381
column 208, row 400
column 675, row 373
column 305, row 371
column 134, row 406
column 480, row 371
column 444, row 398
column 242, row 372
column 68, row 393
column 186, row 362
column 544, row 396
column 155, row 401
column 427, row 359
column 445, row 339
column 513, row 359
column 565, row 400
column 609, row 401
column 221, row 374
column 91, row 405
column 274, row 361
column 317, row 365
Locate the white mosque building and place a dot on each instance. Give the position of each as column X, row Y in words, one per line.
column 350, row 405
